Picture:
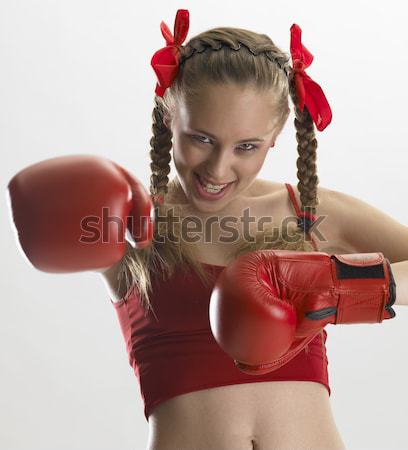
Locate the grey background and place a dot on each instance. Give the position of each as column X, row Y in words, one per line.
column 76, row 78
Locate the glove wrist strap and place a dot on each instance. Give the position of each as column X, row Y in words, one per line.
column 365, row 286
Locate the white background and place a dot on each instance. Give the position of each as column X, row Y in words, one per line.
column 76, row 78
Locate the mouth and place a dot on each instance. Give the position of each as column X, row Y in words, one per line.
column 205, row 180
column 210, row 193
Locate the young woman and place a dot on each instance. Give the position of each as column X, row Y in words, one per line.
column 221, row 102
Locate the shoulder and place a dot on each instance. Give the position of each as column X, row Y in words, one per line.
column 329, row 228
column 262, row 188
column 327, row 198
column 367, row 228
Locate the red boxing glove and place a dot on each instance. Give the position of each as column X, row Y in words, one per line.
column 266, row 306
column 72, row 213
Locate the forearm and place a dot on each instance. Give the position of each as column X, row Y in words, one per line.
column 400, row 272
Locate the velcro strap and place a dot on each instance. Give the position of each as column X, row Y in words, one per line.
column 363, row 287
column 359, row 265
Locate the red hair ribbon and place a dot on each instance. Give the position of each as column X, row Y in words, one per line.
column 309, row 93
column 165, row 62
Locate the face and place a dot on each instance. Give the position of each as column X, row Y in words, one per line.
column 221, row 138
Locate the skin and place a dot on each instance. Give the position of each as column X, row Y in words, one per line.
column 248, row 114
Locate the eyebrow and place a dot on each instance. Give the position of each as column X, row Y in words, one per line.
column 254, row 139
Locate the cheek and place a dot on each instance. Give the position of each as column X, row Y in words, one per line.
column 253, row 165
column 187, row 156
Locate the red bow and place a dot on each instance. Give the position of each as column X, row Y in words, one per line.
column 309, row 93
column 165, row 62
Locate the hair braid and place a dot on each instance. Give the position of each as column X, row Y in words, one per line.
column 267, row 49
column 306, row 162
column 160, row 152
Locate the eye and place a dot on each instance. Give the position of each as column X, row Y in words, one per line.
column 198, row 138
column 254, row 147
column 244, row 150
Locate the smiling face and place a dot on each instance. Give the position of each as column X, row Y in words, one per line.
column 222, row 137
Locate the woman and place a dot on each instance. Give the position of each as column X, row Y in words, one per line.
column 223, row 103
column 220, row 112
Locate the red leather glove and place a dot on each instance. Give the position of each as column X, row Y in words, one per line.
column 71, row 213
column 266, row 306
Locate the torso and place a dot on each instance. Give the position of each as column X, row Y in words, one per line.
column 262, row 416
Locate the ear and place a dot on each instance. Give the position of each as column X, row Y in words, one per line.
column 272, row 142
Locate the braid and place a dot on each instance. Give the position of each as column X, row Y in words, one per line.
column 160, row 152
column 267, row 49
column 306, row 162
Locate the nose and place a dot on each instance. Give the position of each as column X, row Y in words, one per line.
column 219, row 165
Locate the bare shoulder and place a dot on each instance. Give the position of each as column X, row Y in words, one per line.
column 329, row 199
column 262, row 187
column 266, row 187
column 328, row 230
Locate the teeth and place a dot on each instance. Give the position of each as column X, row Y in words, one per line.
column 212, row 188
column 211, row 191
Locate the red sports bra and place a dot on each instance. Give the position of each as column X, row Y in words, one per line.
column 172, row 351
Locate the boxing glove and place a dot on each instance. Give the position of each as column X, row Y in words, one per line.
column 75, row 213
column 266, row 306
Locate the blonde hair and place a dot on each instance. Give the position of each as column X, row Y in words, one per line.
column 218, row 56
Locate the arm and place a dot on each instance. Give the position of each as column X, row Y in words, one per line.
column 110, row 278
column 400, row 271
column 367, row 229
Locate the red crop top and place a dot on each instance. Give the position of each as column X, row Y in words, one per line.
column 172, row 351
